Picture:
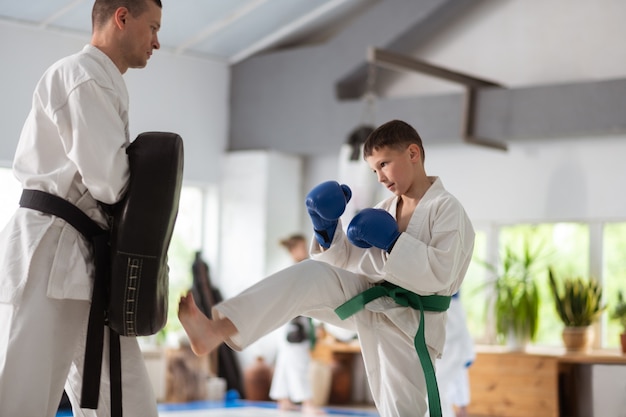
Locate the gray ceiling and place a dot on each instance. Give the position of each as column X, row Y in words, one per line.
column 229, row 30
column 314, row 116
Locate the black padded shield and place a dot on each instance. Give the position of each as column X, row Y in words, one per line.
column 142, row 227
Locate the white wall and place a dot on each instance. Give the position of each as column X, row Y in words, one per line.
column 259, row 207
column 575, row 180
column 559, row 180
column 25, row 53
column 185, row 95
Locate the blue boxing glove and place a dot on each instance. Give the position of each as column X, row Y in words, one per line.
column 326, row 203
column 373, row 227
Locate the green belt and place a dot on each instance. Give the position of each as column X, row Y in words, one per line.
column 406, row 298
column 312, row 335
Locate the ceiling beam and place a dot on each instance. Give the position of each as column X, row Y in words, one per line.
column 472, row 84
column 291, row 111
column 401, row 62
column 296, row 96
column 353, row 84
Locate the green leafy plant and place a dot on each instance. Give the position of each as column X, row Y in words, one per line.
column 516, row 302
column 578, row 301
column 618, row 312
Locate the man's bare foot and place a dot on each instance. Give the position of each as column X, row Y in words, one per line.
column 204, row 334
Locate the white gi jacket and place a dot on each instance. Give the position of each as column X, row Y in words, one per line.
column 430, row 257
column 75, row 150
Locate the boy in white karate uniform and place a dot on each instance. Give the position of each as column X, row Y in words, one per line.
column 389, row 277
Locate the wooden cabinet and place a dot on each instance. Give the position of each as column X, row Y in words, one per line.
column 532, row 383
column 339, row 357
column 514, row 385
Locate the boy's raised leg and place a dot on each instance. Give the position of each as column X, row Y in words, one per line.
column 205, row 335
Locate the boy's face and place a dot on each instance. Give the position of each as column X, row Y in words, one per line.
column 394, row 168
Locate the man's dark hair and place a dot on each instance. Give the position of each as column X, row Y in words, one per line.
column 104, row 9
column 394, row 134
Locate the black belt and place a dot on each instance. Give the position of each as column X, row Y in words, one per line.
column 99, row 238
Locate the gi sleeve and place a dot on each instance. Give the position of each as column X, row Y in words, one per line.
column 337, row 254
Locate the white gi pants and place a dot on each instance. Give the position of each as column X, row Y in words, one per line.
column 291, row 377
column 452, row 374
column 314, row 289
column 42, row 348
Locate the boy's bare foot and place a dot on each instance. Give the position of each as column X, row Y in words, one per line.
column 203, row 333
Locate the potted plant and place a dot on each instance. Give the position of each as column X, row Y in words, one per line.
column 618, row 312
column 578, row 303
column 516, row 296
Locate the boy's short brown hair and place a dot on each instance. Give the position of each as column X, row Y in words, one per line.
column 394, row 134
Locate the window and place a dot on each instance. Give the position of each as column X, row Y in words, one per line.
column 10, row 195
column 614, row 274
column 187, row 239
column 474, row 291
column 565, row 247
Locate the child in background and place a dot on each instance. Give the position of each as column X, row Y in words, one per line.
column 291, row 382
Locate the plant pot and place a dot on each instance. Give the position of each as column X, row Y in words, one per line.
column 257, row 380
column 622, row 338
column 578, row 339
column 517, row 343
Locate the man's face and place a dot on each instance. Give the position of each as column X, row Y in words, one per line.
column 141, row 36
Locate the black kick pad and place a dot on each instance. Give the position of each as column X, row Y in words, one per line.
column 143, row 222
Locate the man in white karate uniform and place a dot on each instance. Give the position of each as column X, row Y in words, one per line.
column 73, row 145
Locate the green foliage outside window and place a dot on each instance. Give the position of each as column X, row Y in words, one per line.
column 566, row 251
column 614, row 267
column 564, row 247
column 516, row 303
column 472, row 295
